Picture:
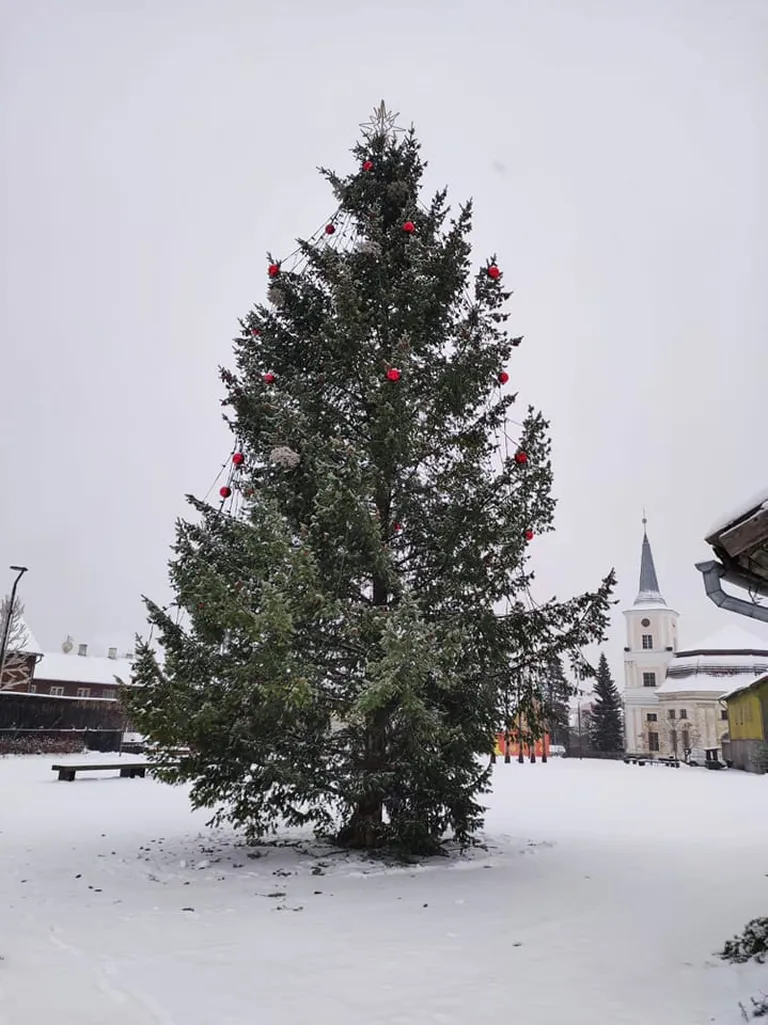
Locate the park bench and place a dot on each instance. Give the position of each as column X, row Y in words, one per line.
column 642, row 759
column 127, row 769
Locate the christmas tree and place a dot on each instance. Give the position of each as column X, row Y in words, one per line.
column 353, row 621
column 605, row 728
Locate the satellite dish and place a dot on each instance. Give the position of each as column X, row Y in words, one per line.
column 67, row 646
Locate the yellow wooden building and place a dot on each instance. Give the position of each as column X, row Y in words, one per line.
column 748, row 726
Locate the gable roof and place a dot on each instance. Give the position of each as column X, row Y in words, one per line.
column 56, row 667
column 30, row 642
column 747, row 685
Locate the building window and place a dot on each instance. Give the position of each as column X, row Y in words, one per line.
column 648, row 642
column 651, row 717
column 645, row 622
column 109, row 695
column 83, row 692
column 649, row 679
column 32, row 688
column 671, row 713
column 683, row 713
column 724, row 714
column 56, row 692
column 686, row 740
column 653, row 742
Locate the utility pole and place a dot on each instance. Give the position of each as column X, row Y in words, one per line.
column 20, row 571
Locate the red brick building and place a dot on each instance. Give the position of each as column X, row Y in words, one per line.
column 70, row 673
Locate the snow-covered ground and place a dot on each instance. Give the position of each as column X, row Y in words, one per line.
column 602, row 897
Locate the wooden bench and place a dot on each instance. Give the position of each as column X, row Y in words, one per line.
column 127, row 769
column 634, row 760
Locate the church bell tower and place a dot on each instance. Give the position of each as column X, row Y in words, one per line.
column 650, row 645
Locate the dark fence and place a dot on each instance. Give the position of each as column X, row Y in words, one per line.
column 574, row 751
column 41, row 712
column 36, row 742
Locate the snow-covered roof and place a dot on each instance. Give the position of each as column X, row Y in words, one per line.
column 729, row 657
column 758, row 500
column 745, row 685
column 715, row 684
column 71, row 668
column 59, row 697
column 30, row 642
column 730, row 638
column 648, row 604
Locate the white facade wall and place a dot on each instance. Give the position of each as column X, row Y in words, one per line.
column 657, row 621
column 703, row 721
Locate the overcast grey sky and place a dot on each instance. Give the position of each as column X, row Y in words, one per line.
column 153, row 150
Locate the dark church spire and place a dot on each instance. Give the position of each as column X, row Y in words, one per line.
column 649, row 584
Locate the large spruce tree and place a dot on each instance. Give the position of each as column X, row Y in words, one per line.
column 353, row 622
column 606, row 731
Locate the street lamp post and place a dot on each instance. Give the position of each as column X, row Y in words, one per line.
column 20, row 571
column 579, row 695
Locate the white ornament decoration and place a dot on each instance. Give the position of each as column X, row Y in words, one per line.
column 285, row 457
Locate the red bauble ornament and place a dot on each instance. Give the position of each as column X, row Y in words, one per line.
column 503, row 377
column 273, row 270
column 269, row 378
column 238, row 458
column 521, row 457
column 255, row 332
column 368, row 165
column 393, row 374
column 329, row 229
column 397, row 527
column 529, row 535
column 225, row 492
column 409, row 227
column 494, row 272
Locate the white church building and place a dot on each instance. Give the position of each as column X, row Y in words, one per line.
column 672, row 695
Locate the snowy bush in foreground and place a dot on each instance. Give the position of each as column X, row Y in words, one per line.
column 751, row 944
column 759, row 1009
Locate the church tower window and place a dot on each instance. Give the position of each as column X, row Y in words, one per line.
column 647, row 642
column 649, row 679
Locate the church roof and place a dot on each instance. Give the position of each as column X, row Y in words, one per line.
column 710, row 683
column 725, row 659
column 649, row 593
column 730, row 638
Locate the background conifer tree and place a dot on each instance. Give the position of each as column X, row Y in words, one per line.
column 606, row 730
column 356, row 609
column 555, row 694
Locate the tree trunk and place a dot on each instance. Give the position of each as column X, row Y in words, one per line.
column 364, row 829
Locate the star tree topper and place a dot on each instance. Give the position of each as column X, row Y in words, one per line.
column 381, row 123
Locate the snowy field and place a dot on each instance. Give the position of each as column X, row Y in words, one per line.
column 603, row 894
